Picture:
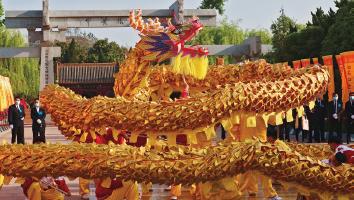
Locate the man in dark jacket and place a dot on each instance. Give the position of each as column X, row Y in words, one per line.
column 335, row 110
column 16, row 116
column 319, row 118
column 349, row 108
column 38, row 120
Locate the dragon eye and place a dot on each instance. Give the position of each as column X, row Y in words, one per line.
column 177, row 31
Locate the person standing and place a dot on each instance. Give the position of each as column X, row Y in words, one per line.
column 38, row 120
column 309, row 116
column 16, row 117
column 322, row 116
column 84, row 184
column 317, row 119
column 285, row 126
column 349, row 108
column 335, row 111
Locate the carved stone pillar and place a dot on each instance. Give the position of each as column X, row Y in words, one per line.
column 46, row 21
column 47, row 71
column 180, row 15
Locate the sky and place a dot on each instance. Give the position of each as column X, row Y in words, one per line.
column 253, row 13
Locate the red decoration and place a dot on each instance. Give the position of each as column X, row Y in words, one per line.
column 173, row 14
column 163, row 21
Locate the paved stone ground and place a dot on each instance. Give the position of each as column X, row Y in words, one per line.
column 14, row 191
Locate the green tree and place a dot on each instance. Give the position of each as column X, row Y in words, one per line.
column 214, row 4
column 68, row 51
column 320, row 19
column 102, row 48
column 304, row 44
column 342, row 3
column 101, row 51
column 72, row 54
column 102, row 57
column 2, row 21
column 266, row 36
column 340, row 37
column 23, row 72
column 282, row 27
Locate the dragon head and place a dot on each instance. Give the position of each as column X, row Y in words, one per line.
column 159, row 44
column 194, row 28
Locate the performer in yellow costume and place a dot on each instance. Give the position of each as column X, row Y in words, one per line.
column 84, row 184
column 113, row 189
column 226, row 188
column 1, row 181
column 35, row 190
column 260, row 131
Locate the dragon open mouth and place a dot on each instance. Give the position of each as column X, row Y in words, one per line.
column 193, row 50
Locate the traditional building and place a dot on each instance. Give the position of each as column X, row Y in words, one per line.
column 88, row 79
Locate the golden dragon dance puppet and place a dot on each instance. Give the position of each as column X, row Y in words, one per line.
column 255, row 89
column 256, row 92
column 184, row 166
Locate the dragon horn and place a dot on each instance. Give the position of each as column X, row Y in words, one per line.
column 137, row 23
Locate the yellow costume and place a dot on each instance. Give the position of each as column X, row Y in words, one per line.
column 260, row 131
column 84, row 185
column 251, row 186
column 145, row 187
column 1, row 181
column 225, row 188
column 176, row 190
column 35, row 192
column 129, row 191
column 126, row 192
